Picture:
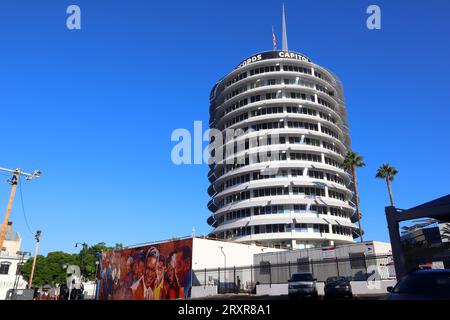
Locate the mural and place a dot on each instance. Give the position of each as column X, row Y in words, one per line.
column 156, row 272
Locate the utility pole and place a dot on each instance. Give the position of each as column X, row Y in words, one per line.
column 19, row 271
column 13, row 182
column 37, row 237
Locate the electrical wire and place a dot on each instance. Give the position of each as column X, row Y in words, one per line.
column 23, row 208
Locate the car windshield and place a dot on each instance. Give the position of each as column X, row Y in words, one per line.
column 429, row 284
column 335, row 279
column 302, row 277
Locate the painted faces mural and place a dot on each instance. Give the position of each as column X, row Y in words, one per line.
column 155, row 272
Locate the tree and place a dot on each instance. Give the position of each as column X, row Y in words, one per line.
column 385, row 171
column 90, row 258
column 118, row 247
column 351, row 162
column 49, row 269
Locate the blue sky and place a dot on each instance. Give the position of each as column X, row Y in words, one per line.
column 94, row 109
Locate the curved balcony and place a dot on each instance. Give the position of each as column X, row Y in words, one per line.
column 212, row 206
column 211, row 190
column 212, row 176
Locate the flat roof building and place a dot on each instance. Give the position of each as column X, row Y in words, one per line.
column 11, row 262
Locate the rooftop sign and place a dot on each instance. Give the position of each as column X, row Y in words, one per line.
column 273, row 55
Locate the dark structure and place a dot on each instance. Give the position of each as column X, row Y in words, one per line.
column 438, row 209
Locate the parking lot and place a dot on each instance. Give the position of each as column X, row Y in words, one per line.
column 280, row 297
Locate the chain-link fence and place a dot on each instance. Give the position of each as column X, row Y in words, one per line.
column 244, row 279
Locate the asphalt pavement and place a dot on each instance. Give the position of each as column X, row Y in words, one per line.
column 278, row 297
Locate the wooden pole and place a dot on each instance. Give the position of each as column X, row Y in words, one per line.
column 37, row 237
column 13, row 183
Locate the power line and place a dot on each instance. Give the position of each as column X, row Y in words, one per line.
column 23, row 207
column 15, row 175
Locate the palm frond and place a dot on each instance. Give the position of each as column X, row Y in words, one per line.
column 353, row 159
column 386, row 171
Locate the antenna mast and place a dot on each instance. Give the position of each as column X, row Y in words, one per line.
column 284, row 39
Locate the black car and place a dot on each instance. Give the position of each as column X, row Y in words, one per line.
column 429, row 284
column 338, row 287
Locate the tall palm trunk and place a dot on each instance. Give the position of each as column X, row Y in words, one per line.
column 358, row 215
column 390, row 191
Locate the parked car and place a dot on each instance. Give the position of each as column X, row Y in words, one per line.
column 302, row 284
column 427, row 284
column 338, row 287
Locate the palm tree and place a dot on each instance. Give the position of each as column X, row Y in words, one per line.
column 351, row 162
column 385, row 171
column 445, row 232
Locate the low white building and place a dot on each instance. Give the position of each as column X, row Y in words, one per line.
column 11, row 259
column 221, row 267
column 216, row 265
column 357, row 261
column 212, row 254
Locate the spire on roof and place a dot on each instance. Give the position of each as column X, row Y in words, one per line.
column 284, row 38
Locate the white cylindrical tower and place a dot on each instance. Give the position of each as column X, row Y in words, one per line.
column 282, row 105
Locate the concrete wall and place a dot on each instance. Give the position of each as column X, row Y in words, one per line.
column 381, row 248
column 372, row 287
column 200, row 291
column 273, row 290
column 12, row 246
column 89, row 289
column 207, row 254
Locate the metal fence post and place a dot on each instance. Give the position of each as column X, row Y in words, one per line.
column 234, row 276
column 323, row 269
column 365, row 265
column 270, row 275
column 218, row 279
column 289, row 269
column 337, row 266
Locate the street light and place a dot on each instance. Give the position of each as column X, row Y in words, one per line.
column 97, row 276
column 224, row 256
column 82, row 253
column 225, row 265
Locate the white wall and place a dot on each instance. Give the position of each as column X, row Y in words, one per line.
column 12, row 246
column 7, row 280
column 89, row 289
column 200, row 291
column 382, row 248
column 207, row 254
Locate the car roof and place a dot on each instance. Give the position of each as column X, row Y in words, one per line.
column 302, row 273
column 426, row 271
